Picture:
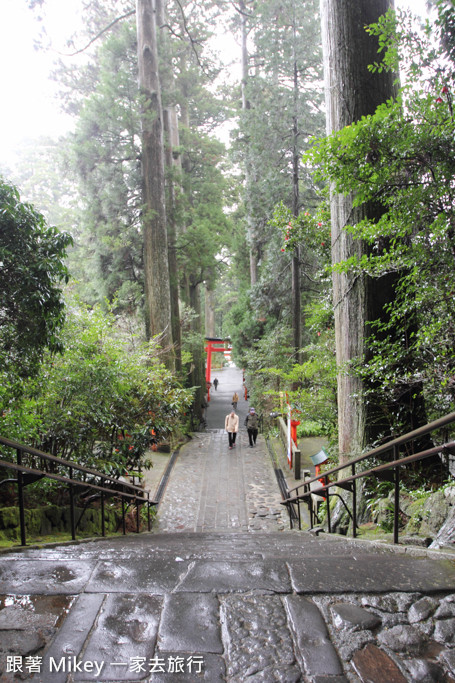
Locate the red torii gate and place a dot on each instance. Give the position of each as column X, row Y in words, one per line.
column 213, row 345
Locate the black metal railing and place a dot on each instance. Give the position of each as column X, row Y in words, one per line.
column 321, row 485
column 98, row 484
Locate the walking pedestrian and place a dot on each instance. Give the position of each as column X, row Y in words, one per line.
column 231, row 425
column 235, row 400
column 215, row 383
column 252, row 425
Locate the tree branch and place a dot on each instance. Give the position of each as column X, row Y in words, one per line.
column 191, row 39
column 95, row 38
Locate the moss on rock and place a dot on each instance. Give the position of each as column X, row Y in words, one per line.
column 53, row 519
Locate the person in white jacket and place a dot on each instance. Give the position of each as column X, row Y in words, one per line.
column 231, row 425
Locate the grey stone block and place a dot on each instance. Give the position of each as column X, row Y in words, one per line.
column 153, row 575
column 32, row 577
column 370, row 574
column 228, row 577
column 350, row 616
column 318, row 655
column 190, row 623
column 127, row 629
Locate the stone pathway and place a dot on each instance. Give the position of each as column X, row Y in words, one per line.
column 213, row 488
column 221, row 590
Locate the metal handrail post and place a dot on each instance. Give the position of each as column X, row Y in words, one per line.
column 20, row 495
column 354, row 504
column 396, row 510
column 138, row 521
column 103, row 521
column 72, row 513
column 27, row 474
column 149, row 526
column 329, row 524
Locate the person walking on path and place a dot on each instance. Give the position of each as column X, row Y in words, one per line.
column 252, row 425
column 235, row 400
column 231, row 425
column 215, row 383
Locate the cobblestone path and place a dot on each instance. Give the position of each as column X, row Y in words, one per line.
column 213, row 488
column 222, row 591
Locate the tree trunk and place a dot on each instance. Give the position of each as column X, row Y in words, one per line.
column 173, row 166
column 251, row 232
column 352, row 92
column 209, row 312
column 296, row 297
column 156, row 268
column 197, row 352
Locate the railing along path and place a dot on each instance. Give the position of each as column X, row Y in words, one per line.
column 106, row 486
column 321, row 485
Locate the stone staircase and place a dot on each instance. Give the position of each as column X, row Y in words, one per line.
column 227, row 606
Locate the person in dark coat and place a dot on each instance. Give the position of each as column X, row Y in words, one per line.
column 252, row 425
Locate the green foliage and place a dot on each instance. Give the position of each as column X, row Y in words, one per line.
column 402, row 158
column 283, row 98
column 310, row 231
column 243, row 327
column 101, row 403
column 310, row 428
column 203, row 209
column 104, row 154
column 311, row 385
column 31, row 271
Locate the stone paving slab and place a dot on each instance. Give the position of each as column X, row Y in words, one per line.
column 370, row 573
column 33, row 611
column 234, row 577
column 312, row 638
column 257, row 639
column 201, row 612
column 127, row 624
column 154, row 575
column 70, row 639
column 213, row 488
column 33, row 577
column 219, row 544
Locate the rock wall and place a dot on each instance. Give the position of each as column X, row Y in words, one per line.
column 53, row 519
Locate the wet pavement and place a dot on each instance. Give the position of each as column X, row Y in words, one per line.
column 221, row 590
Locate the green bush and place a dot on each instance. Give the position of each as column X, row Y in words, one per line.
column 101, row 403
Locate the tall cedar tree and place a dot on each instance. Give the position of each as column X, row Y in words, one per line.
column 282, row 69
column 353, row 91
column 156, row 265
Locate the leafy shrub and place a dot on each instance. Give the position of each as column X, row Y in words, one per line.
column 102, row 402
